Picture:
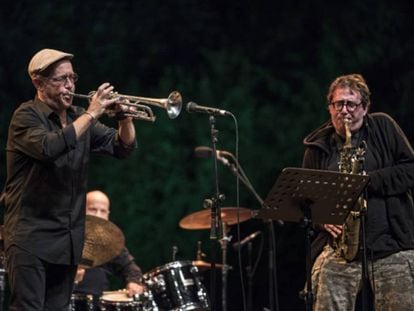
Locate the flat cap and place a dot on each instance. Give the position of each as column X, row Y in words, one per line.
column 44, row 58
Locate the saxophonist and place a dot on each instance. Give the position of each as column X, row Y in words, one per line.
column 389, row 162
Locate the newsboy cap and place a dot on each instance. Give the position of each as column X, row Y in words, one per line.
column 44, row 58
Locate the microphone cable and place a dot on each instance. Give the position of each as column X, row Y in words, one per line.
column 274, row 296
column 240, row 261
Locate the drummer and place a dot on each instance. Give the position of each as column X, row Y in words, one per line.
column 94, row 281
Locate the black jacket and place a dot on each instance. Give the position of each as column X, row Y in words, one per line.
column 389, row 162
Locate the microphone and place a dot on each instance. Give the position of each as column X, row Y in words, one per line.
column 193, row 107
column 247, row 239
column 207, row 152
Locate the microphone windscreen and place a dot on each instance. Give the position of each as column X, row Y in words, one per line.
column 190, row 107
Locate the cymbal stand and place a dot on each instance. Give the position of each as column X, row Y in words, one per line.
column 224, row 241
column 200, row 254
column 174, row 252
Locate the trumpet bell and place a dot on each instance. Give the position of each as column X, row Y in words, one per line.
column 174, row 104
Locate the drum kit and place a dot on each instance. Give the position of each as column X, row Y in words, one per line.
column 175, row 286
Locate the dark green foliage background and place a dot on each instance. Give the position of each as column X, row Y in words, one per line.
column 268, row 62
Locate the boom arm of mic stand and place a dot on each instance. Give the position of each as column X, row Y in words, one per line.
column 273, row 290
column 238, row 171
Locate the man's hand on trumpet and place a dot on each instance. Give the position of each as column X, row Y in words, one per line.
column 122, row 109
column 101, row 100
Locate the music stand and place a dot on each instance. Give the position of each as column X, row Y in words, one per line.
column 308, row 195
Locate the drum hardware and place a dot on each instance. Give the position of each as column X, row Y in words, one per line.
column 202, row 220
column 200, row 253
column 174, row 252
column 204, row 265
column 200, row 263
column 103, row 241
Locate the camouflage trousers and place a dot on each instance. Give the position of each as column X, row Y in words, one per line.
column 337, row 282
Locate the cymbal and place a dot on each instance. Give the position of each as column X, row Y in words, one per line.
column 204, row 265
column 103, row 241
column 202, row 219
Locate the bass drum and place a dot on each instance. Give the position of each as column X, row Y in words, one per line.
column 176, row 286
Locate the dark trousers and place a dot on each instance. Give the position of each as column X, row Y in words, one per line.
column 36, row 284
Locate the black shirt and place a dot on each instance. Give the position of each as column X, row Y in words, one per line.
column 96, row 280
column 46, row 182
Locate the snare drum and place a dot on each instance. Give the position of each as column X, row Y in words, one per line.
column 177, row 287
column 119, row 301
column 81, row 302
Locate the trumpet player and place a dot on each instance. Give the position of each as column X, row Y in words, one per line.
column 48, row 150
column 389, row 162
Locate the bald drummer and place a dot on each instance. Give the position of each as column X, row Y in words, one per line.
column 94, row 281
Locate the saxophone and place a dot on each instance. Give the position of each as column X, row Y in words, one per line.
column 350, row 160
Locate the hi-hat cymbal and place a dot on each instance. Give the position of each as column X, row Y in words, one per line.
column 204, row 265
column 202, row 219
column 103, row 241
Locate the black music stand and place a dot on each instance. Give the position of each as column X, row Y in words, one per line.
column 306, row 196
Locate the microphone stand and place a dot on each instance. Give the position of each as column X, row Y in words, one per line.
column 363, row 250
column 363, row 201
column 224, row 241
column 238, row 171
column 364, row 259
column 249, row 270
column 216, row 230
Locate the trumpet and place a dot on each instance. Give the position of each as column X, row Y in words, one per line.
column 172, row 104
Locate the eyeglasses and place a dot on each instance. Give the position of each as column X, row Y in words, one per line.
column 350, row 106
column 62, row 79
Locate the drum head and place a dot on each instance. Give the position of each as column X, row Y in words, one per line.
column 116, row 296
